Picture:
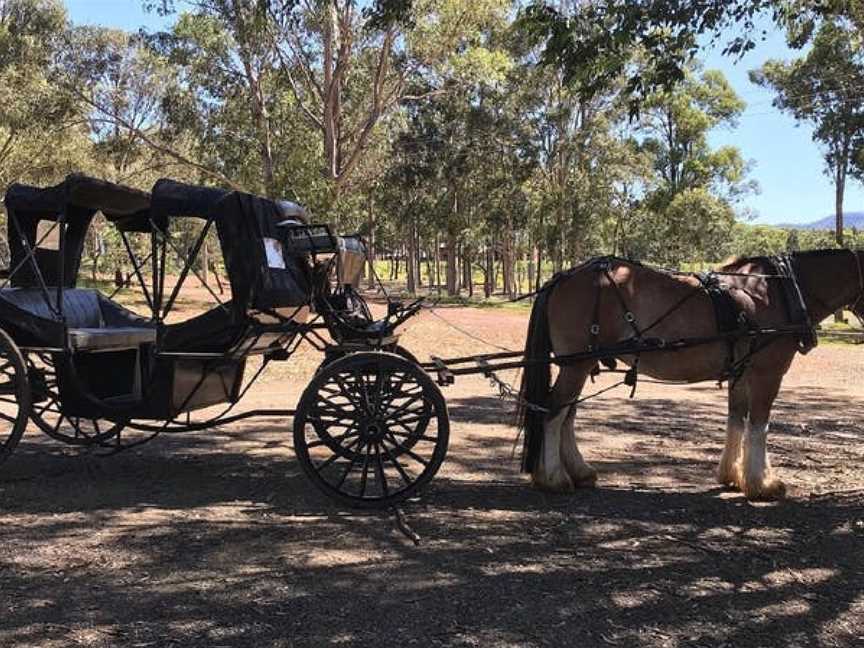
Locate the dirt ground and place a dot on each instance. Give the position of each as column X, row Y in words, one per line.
column 217, row 539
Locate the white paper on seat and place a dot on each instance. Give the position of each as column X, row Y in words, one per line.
column 273, row 248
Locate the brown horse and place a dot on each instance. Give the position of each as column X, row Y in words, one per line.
column 602, row 307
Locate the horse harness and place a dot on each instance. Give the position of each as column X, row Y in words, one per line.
column 733, row 323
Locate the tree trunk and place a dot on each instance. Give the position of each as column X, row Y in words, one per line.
column 370, row 242
column 205, row 262
column 217, row 278
column 539, row 278
column 436, row 259
column 332, row 90
column 508, row 260
column 839, row 193
column 430, row 272
column 452, row 273
column 411, row 261
column 262, row 121
column 467, row 272
column 489, row 283
column 418, row 257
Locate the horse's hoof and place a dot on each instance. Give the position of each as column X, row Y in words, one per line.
column 556, row 483
column 726, row 478
column 586, row 482
column 730, row 475
column 770, row 490
column 585, row 477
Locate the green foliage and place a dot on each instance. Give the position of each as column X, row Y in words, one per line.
column 594, row 45
column 426, row 125
column 688, row 210
column 41, row 131
column 694, row 226
column 822, row 88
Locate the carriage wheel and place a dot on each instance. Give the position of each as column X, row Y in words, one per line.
column 332, row 356
column 48, row 415
column 371, row 429
column 14, row 396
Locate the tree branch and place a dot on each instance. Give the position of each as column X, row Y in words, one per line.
column 113, row 118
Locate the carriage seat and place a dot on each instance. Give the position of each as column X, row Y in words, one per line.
column 101, row 339
column 94, row 322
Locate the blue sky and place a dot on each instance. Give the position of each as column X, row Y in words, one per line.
column 786, row 162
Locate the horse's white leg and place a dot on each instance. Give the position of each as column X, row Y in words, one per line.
column 757, row 478
column 552, row 471
column 729, row 470
column 581, row 472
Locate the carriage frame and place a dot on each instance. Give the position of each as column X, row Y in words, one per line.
column 85, row 369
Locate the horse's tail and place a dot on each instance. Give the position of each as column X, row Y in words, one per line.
column 536, row 381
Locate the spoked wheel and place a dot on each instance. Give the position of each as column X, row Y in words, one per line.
column 371, row 429
column 47, row 413
column 14, row 396
column 331, row 355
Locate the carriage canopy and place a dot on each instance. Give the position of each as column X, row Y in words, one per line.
column 52, row 222
column 33, row 220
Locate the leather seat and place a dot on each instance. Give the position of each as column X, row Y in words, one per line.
column 94, row 322
column 101, row 339
column 80, row 305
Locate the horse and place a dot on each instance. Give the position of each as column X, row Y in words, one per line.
column 603, row 310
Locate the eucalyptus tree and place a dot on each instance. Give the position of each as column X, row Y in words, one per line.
column 689, row 211
column 122, row 85
column 229, row 98
column 42, row 130
column 823, row 88
column 593, row 46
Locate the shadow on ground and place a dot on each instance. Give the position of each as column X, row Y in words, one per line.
column 218, row 540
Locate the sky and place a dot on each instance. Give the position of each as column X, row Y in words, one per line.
column 786, row 163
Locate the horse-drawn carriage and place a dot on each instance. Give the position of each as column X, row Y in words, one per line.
column 370, row 429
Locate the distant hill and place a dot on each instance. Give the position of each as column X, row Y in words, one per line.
column 850, row 220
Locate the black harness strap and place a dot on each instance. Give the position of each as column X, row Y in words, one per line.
column 796, row 309
column 731, row 319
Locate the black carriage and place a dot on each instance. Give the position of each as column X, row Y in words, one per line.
column 370, row 429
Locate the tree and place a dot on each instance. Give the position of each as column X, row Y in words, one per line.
column 593, row 46
column 824, row 89
column 688, row 213
column 122, row 85
column 42, row 131
column 225, row 73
